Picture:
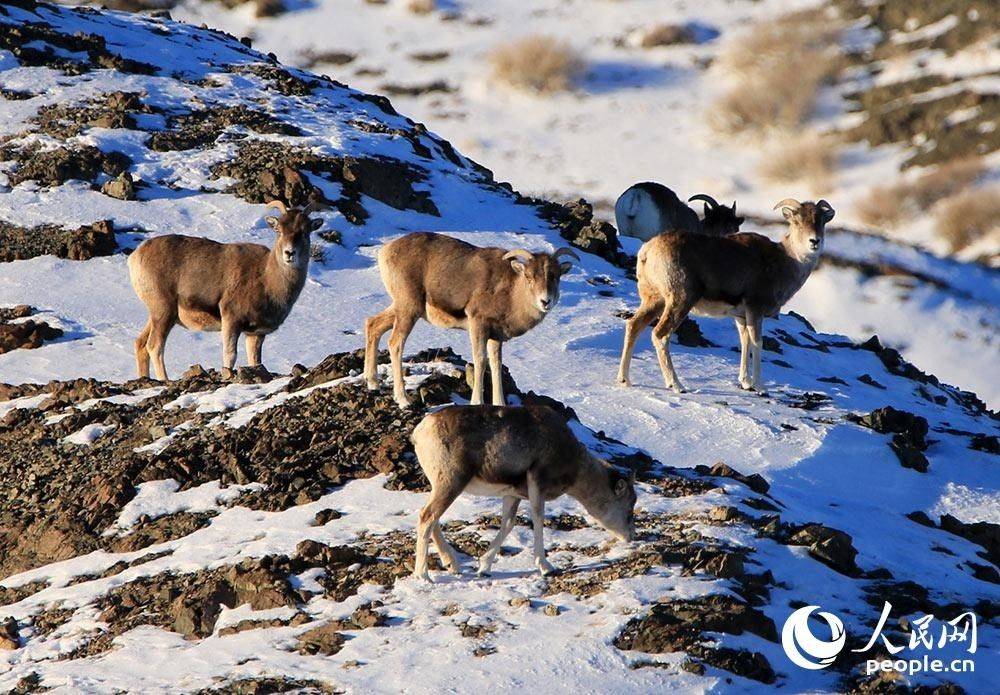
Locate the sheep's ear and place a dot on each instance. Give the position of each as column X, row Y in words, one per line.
column 272, row 222
column 740, row 220
column 518, row 266
column 315, row 224
column 621, row 487
column 706, row 210
column 565, row 267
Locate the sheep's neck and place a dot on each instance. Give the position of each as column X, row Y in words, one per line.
column 590, row 481
column 522, row 314
column 803, row 259
column 282, row 283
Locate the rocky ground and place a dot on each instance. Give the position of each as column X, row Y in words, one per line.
column 284, row 442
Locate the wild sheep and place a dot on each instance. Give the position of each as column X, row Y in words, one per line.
column 493, row 293
column 746, row 276
column 514, row 453
column 647, row 209
column 208, row 286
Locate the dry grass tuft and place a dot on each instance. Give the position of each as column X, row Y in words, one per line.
column 967, row 217
column 809, row 157
column 882, row 207
column 421, row 6
column 777, row 68
column 664, row 35
column 888, row 206
column 945, row 180
column 537, row 63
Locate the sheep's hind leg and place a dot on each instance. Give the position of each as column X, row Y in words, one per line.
column 644, row 316
column 402, row 325
column 507, row 521
column 441, row 498
column 375, row 327
column 156, row 342
column 668, row 323
column 448, row 556
column 755, row 329
column 141, row 353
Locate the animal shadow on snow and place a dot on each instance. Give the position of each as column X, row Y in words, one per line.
column 606, row 76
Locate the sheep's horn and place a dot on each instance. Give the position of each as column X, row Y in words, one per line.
column 828, row 211
column 707, row 198
column 788, row 203
column 279, row 206
column 734, row 207
column 522, row 255
column 312, row 207
column 566, row 251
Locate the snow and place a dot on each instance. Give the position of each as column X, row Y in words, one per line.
column 161, row 497
column 89, row 434
column 820, row 467
column 968, row 504
column 228, row 397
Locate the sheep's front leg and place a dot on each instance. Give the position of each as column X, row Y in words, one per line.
column 495, row 349
column 230, row 336
column 507, row 521
column 477, row 335
column 755, row 330
column 254, row 345
column 537, row 502
column 744, row 378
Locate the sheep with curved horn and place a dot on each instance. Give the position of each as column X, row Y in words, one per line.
column 205, row 285
column 647, row 209
column 495, row 294
column 745, row 276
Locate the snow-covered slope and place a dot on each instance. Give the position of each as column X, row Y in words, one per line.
column 223, row 485
column 643, row 114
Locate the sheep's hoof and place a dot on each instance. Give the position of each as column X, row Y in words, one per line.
column 747, row 386
column 623, row 383
column 227, row 373
column 372, row 385
column 403, row 402
column 423, row 575
column 484, row 572
column 548, row 569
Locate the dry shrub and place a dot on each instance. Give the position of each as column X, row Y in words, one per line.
column 888, row 206
column 809, row 157
column 664, row 35
column 421, row 6
column 945, row 180
column 967, row 217
column 537, row 63
column 882, row 207
column 777, row 68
